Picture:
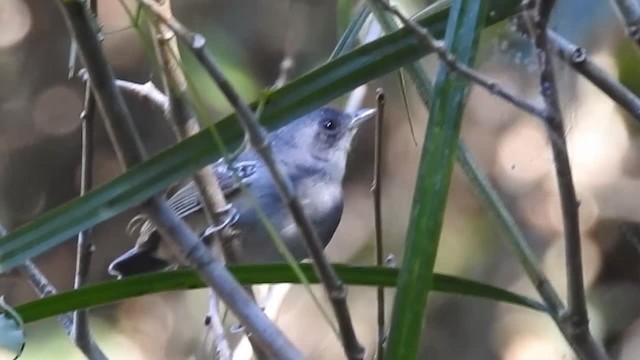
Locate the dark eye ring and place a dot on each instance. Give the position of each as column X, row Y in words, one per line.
column 330, row 125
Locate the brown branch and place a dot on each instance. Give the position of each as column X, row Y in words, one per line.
column 376, row 188
column 576, row 318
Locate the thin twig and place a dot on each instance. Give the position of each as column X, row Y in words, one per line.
column 128, row 146
column 376, row 188
column 629, row 12
column 576, row 315
column 425, row 38
column 423, row 83
column 288, row 60
column 257, row 137
column 147, row 91
column 43, row 288
column 213, row 322
column 416, row 71
column 243, row 349
column 211, row 194
column 577, row 58
column 85, row 247
column 81, row 333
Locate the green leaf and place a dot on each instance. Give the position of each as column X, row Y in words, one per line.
column 117, row 290
column 11, row 330
column 434, row 175
column 348, row 39
column 310, row 91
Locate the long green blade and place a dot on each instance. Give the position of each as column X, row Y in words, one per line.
column 314, row 89
column 434, row 175
column 117, row 290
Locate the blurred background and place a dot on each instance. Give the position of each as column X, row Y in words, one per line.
column 40, row 161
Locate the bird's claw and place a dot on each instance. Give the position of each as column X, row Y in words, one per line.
column 231, row 216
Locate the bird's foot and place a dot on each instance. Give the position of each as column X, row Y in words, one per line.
column 230, row 215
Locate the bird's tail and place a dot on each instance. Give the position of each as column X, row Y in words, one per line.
column 137, row 261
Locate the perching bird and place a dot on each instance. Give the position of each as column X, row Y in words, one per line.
column 311, row 150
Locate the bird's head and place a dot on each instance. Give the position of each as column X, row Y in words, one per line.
column 322, row 137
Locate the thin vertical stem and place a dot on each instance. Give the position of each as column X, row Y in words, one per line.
column 80, row 332
column 576, row 316
column 376, row 190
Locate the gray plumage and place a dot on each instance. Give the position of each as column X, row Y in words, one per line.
column 312, row 151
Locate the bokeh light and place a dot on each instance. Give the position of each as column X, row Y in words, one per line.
column 57, row 110
column 15, row 22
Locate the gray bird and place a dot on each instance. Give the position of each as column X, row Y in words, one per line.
column 311, row 150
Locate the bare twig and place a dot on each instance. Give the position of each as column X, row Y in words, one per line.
column 416, row 71
column 81, row 333
column 130, row 152
column 288, row 61
column 257, row 137
column 213, row 341
column 576, row 315
column 85, row 247
column 376, row 188
column 147, row 91
column 577, row 58
column 243, row 349
column 427, row 40
column 422, row 81
column 211, row 194
column 629, row 12
column 43, row 288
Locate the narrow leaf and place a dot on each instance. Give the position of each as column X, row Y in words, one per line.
column 117, row 290
column 434, row 175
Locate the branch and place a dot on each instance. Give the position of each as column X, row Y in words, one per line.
column 576, row 317
column 577, row 58
column 147, row 92
column 81, row 333
column 211, row 194
column 43, row 288
column 629, row 12
column 377, row 211
column 85, row 247
column 425, row 38
column 130, row 152
column 257, row 137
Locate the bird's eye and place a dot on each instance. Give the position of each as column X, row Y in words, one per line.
column 330, row 125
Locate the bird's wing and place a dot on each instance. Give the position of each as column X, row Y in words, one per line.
column 187, row 200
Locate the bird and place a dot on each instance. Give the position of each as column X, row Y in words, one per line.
column 311, row 150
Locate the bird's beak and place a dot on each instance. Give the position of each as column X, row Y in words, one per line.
column 360, row 117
